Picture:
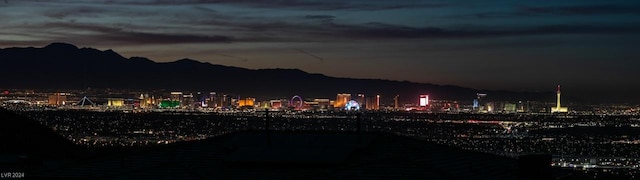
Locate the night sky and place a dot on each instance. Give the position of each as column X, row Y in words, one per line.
column 591, row 48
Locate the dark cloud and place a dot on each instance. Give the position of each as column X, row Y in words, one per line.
column 575, row 10
column 381, row 30
column 118, row 35
column 162, row 38
column 292, row 4
column 584, row 10
column 312, row 27
column 205, row 9
column 581, row 29
column 490, row 15
column 326, row 29
column 74, row 12
column 319, row 17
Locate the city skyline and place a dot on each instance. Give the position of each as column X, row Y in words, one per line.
column 519, row 46
column 597, row 140
column 331, row 89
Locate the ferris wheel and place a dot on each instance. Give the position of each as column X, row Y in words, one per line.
column 296, row 102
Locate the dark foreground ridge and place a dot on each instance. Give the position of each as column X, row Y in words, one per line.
column 266, row 155
column 65, row 66
column 302, row 155
column 23, row 139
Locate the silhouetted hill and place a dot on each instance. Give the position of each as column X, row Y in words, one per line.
column 65, row 66
column 23, row 136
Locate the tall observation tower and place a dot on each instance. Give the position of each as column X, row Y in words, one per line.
column 558, row 108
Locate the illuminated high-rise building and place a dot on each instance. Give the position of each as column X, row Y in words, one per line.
column 263, row 105
column 373, row 103
column 188, row 100
column 311, row 105
column 223, row 101
column 510, row 107
column 361, row 100
column 424, row 100
column 176, row 96
column 490, row 106
column 475, row 104
column 201, row 99
column 233, row 102
column 520, row 107
column 141, row 100
column 211, row 100
column 146, row 101
column 396, row 104
column 115, row 102
column 218, row 100
column 341, row 100
column 276, row 104
column 558, row 108
column 246, row 102
column 58, row 99
column 478, row 103
column 323, row 103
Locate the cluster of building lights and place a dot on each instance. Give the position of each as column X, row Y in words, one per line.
column 213, row 101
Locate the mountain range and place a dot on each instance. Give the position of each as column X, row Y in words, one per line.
column 65, row 66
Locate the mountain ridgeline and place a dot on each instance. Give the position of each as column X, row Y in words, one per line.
column 65, row 66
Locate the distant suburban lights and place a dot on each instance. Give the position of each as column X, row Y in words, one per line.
column 424, row 100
